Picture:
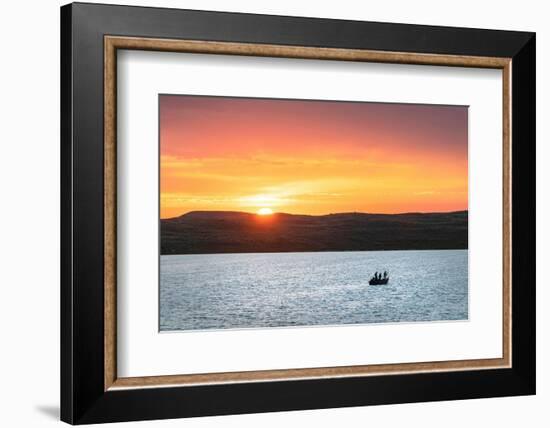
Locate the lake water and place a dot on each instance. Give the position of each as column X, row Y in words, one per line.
column 220, row 291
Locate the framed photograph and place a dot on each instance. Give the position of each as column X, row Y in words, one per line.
column 265, row 213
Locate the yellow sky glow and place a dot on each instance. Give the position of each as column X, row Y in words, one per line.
column 220, row 154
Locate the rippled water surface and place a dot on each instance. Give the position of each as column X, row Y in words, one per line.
column 218, row 291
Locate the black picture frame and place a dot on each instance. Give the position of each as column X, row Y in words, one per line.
column 83, row 397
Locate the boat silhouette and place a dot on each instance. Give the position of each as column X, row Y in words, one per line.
column 379, row 279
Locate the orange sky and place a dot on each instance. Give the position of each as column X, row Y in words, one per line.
column 311, row 157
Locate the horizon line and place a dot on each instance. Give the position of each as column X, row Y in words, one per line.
column 315, row 215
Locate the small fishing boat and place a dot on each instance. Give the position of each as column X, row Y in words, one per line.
column 379, row 279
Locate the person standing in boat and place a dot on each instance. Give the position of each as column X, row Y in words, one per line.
column 385, row 274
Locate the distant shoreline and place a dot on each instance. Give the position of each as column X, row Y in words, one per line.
column 315, row 215
column 223, row 232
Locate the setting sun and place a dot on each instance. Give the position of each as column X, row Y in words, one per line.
column 265, row 211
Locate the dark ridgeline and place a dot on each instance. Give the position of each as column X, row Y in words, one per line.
column 203, row 232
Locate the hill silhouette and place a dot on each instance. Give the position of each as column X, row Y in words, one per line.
column 203, row 232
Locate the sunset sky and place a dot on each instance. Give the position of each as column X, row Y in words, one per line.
column 310, row 157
